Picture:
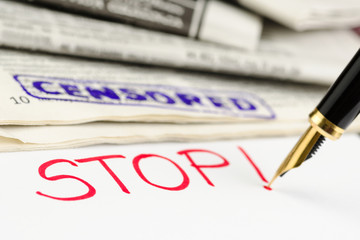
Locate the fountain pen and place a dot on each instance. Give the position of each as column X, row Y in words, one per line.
column 329, row 119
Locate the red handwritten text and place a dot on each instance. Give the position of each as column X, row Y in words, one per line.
column 190, row 155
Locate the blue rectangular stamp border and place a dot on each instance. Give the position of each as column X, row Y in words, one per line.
column 270, row 116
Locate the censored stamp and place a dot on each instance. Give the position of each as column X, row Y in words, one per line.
column 228, row 103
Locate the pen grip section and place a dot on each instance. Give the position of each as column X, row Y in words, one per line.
column 341, row 104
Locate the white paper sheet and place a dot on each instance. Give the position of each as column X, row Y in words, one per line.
column 319, row 200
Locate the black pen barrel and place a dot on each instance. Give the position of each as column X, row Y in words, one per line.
column 341, row 103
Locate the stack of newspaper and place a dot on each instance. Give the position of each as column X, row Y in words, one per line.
column 77, row 73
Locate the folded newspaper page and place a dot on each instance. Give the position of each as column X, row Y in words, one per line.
column 279, row 40
column 41, row 89
column 20, row 138
column 24, row 138
column 27, row 27
column 208, row 20
column 309, row 14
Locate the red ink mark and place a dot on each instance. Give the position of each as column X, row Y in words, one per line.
column 198, row 167
column 42, row 169
column 182, row 186
column 268, row 188
column 107, row 168
column 253, row 164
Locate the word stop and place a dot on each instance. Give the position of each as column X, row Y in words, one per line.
column 188, row 154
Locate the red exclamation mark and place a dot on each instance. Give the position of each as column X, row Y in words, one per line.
column 256, row 168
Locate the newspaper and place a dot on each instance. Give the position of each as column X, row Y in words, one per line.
column 38, row 89
column 278, row 39
column 26, row 138
column 23, row 138
column 309, row 14
column 26, row 27
column 208, row 20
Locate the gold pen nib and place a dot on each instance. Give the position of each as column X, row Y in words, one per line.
column 299, row 153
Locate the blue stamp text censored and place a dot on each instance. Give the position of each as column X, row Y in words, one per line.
column 227, row 103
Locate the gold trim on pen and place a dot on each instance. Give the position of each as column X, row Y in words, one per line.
column 324, row 126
